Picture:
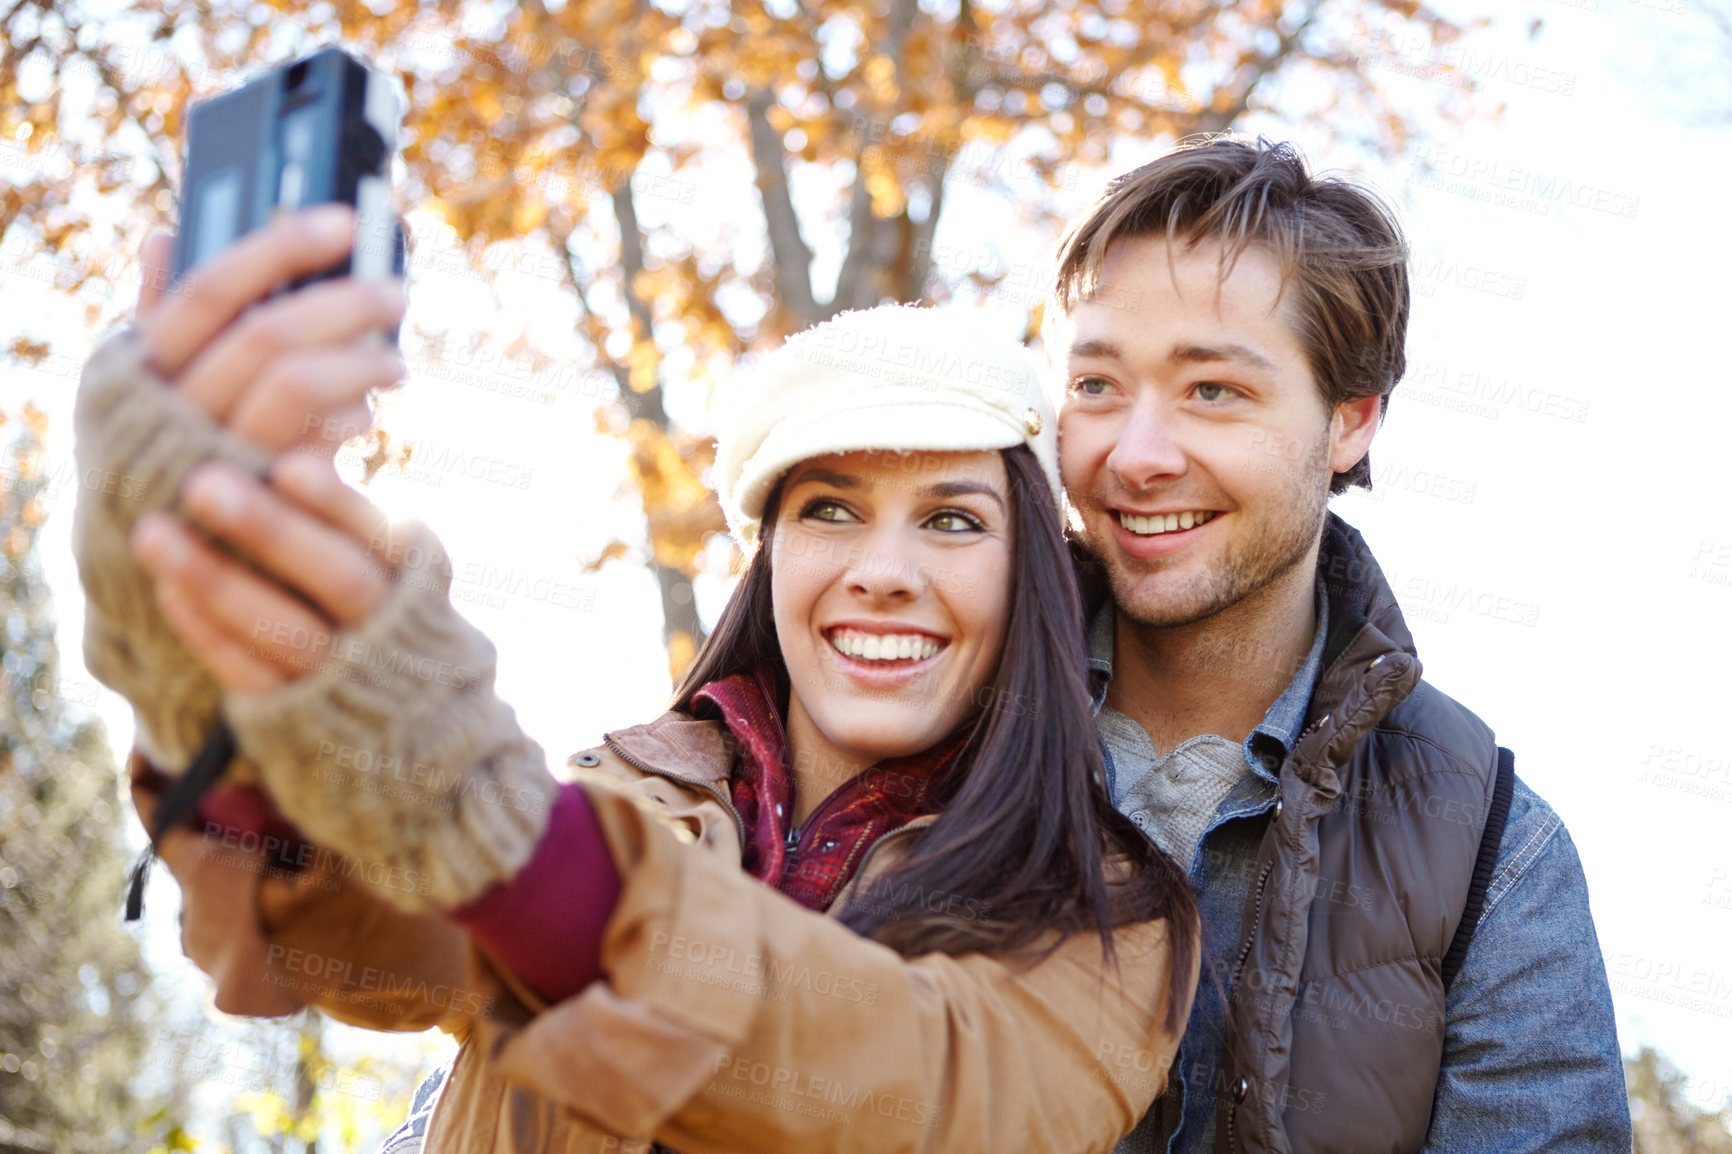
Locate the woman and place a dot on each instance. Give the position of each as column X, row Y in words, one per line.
column 888, row 727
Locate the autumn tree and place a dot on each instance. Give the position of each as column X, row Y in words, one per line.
column 570, row 130
column 74, row 1009
column 584, row 136
column 1664, row 1119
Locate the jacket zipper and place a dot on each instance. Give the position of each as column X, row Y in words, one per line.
column 796, row 832
column 866, row 856
column 709, row 787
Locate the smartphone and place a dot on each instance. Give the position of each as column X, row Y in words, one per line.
column 321, row 129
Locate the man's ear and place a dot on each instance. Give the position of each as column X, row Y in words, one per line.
column 1351, row 430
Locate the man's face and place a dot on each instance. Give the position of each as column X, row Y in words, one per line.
column 1192, row 438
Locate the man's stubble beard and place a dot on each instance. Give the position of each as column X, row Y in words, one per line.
column 1261, row 557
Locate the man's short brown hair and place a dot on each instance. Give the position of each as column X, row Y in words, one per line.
column 1336, row 241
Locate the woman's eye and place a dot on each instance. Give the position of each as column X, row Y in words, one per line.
column 954, row 521
column 1090, row 386
column 823, row 510
column 1214, row 391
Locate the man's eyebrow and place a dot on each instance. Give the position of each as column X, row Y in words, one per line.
column 1206, row 354
column 942, row 489
column 1095, row 347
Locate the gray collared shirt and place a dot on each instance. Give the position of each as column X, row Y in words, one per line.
column 1174, row 797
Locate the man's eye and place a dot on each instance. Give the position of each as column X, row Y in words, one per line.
column 1090, row 386
column 954, row 521
column 824, row 510
column 1214, row 391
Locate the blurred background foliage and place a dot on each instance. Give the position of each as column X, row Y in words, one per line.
column 561, row 134
column 563, row 130
column 76, row 1014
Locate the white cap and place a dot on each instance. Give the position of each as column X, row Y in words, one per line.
column 896, row 377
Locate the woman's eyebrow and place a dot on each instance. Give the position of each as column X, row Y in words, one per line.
column 825, row 477
column 943, row 489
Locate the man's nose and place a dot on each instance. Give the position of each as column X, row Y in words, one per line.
column 1147, row 449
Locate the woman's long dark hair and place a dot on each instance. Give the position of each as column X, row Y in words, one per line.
column 1020, row 846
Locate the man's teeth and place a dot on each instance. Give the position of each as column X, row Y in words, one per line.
column 1149, row 526
column 884, row 646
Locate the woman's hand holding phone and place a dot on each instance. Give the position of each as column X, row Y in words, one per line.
column 286, row 373
column 211, row 370
column 397, row 676
column 325, row 545
column 323, row 584
column 290, row 371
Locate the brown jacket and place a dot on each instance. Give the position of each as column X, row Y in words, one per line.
column 729, row 1018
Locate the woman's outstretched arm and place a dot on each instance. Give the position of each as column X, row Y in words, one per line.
column 730, row 1016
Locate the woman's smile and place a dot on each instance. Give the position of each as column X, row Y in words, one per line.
column 884, row 655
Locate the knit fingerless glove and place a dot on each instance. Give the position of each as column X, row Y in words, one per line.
column 135, row 440
column 398, row 753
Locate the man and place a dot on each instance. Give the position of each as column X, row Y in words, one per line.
column 1228, row 331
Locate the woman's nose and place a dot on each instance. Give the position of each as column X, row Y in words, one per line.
column 884, row 569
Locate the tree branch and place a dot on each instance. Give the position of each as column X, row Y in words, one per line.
column 853, row 283
column 679, row 608
column 1265, row 64
column 867, row 235
column 790, row 256
column 647, row 404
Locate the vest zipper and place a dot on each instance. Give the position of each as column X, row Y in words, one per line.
column 709, row 787
column 1256, row 915
column 1256, row 912
column 1238, row 970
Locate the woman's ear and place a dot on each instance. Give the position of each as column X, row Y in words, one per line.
column 1350, row 431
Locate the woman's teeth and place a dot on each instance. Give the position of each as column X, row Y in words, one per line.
column 1149, row 526
column 884, row 646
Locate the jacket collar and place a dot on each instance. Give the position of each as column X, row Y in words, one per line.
column 682, row 745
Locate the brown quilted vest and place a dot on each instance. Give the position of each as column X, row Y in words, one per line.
column 1336, row 1007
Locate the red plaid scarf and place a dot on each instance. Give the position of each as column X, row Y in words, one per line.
column 836, row 835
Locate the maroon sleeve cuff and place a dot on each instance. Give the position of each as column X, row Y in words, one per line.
column 546, row 924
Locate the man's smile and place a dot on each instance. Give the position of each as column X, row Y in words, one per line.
column 1156, row 523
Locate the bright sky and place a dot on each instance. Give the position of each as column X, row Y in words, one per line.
column 1551, row 499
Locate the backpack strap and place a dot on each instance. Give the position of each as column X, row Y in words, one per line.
column 1489, row 843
